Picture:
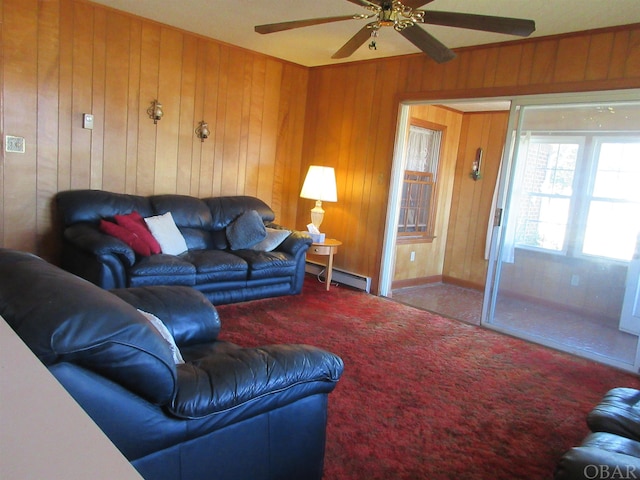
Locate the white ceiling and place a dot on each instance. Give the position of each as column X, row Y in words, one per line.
column 232, row 21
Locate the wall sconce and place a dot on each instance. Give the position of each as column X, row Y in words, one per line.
column 477, row 163
column 155, row 111
column 202, row 131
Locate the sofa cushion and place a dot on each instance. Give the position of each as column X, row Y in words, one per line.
column 130, row 238
column 187, row 211
column 225, row 210
column 165, row 231
column 62, row 317
column 185, row 311
column 216, row 265
column 268, row 264
column 601, row 456
column 219, row 239
column 136, row 224
column 618, row 412
column 246, row 230
column 197, row 239
column 92, row 205
column 162, row 270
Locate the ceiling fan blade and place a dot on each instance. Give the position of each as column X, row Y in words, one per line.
column 279, row 27
column 365, row 3
column 415, row 3
column 354, row 42
column 428, row 44
column 512, row 26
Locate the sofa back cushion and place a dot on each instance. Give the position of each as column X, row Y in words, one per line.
column 191, row 215
column 186, row 312
column 202, row 222
column 63, row 318
column 76, row 206
column 225, row 210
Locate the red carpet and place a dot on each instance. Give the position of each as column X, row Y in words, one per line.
column 425, row 397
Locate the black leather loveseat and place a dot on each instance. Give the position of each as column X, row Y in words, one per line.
column 224, row 270
column 222, row 412
column 612, row 449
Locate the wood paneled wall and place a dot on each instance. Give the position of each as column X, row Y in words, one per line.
column 465, row 262
column 63, row 58
column 352, row 114
column 269, row 119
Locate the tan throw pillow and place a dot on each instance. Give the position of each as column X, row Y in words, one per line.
column 165, row 231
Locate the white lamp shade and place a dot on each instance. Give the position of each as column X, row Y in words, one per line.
column 320, row 184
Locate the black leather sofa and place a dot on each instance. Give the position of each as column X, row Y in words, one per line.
column 210, row 265
column 227, row 412
column 612, row 449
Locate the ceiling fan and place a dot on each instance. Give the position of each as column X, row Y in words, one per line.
column 404, row 16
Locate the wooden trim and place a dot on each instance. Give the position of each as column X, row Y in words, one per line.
column 415, row 282
column 518, row 91
column 404, row 240
column 463, row 283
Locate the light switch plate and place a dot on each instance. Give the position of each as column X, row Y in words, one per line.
column 14, row 144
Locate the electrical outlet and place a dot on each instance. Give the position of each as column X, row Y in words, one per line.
column 575, row 280
column 14, row 144
column 412, row 257
column 87, row 121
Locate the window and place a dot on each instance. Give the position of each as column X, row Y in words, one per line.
column 547, row 184
column 417, row 208
column 613, row 215
column 579, row 195
column 416, row 202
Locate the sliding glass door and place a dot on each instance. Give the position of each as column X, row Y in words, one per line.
column 565, row 253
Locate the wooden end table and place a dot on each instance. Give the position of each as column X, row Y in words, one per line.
column 327, row 248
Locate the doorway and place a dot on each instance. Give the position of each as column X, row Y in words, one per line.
column 532, row 312
column 570, row 227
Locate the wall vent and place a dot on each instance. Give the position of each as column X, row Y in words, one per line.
column 340, row 276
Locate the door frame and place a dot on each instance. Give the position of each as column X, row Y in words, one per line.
column 504, row 185
column 388, row 260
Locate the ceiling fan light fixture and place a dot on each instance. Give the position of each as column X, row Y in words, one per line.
column 404, row 16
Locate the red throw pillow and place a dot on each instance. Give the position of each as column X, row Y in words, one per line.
column 134, row 241
column 136, row 224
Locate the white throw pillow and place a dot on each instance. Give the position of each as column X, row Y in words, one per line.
column 165, row 231
column 166, row 334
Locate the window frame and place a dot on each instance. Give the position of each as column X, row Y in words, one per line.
column 428, row 235
column 582, row 191
column 561, row 138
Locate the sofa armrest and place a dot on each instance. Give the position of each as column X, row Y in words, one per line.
column 221, row 376
column 295, row 243
column 87, row 237
column 186, row 312
column 588, row 463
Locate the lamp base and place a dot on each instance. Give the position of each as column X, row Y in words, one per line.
column 317, row 215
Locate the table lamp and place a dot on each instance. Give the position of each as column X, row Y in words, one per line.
column 319, row 185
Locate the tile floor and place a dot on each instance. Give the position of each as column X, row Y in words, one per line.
column 585, row 336
column 444, row 299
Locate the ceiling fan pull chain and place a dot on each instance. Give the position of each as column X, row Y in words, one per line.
column 374, row 34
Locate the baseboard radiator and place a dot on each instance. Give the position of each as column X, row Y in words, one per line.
column 340, row 276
